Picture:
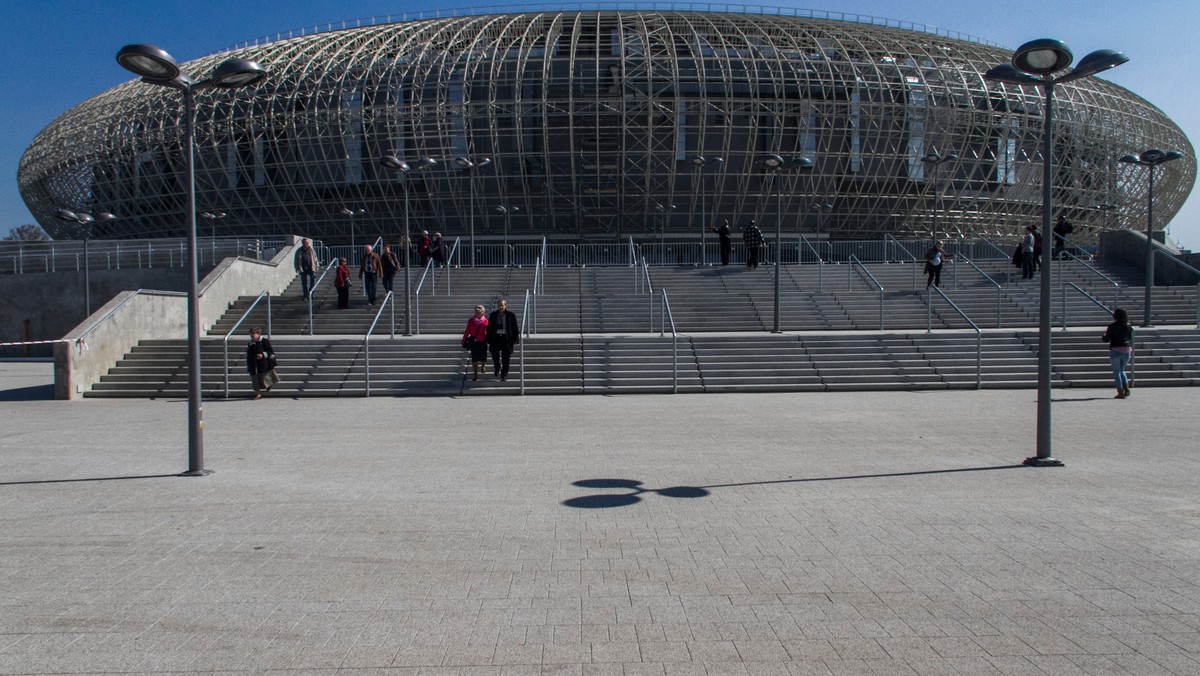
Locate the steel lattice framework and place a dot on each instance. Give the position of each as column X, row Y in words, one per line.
column 592, row 120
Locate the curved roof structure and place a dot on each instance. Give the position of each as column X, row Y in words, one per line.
column 595, row 125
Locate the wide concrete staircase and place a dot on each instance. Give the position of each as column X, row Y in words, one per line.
column 601, row 330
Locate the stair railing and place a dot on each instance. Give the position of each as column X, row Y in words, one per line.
column 1102, row 306
column 999, row 289
column 388, row 299
column 668, row 318
column 850, row 283
column 531, row 299
column 905, row 252
column 312, row 292
column 1116, row 286
column 232, row 331
column 1006, row 255
column 820, row 264
column 632, row 254
column 978, row 332
column 1189, row 268
column 450, row 262
column 524, row 317
column 430, row 272
column 649, row 292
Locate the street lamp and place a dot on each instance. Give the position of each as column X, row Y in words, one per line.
column 347, row 211
column 777, row 165
column 157, row 67
column 508, row 212
column 213, row 217
column 700, row 162
column 932, row 161
column 86, row 220
column 396, row 164
column 1150, row 159
column 1034, row 63
column 468, row 166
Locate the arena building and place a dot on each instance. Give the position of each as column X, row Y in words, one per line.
column 597, row 125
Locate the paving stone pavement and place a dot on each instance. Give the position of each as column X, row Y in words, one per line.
column 750, row 534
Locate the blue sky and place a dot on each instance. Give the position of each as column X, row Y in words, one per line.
column 60, row 52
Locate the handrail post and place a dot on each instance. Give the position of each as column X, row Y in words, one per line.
column 928, row 311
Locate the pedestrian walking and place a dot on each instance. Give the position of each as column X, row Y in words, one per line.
column 475, row 340
column 370, row 270
column 753, row 239
column 261, row 363
column 341, row 282
column 503, row 334
column 1027, row 244
column 725, row 239
column 305, row 262
column 934, row 258
column 437, row 250
column 423, row 245
column 1119, row 335
column 389, row 266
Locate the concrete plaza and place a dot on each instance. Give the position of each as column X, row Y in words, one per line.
column 843, row 533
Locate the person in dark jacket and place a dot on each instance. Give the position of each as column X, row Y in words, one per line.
column 260, row 363
column 1119, row 335
column 369, row 271
column 341, row 282
column 752, row 237
column 437, row 250
column 503, row 334
column 726, row 240
column 390, row 265
column 306, row 264
column 423, row 245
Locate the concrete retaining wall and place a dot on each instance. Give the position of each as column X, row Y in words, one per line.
column 147, row 315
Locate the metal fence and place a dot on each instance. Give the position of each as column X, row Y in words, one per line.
column 77, row 255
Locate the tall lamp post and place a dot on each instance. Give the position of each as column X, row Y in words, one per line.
column 932, row 161
column 86, row 220
column 157, row 67
column 468, row 166
column 396, row 164
column 701, row 162
column 1150, row 159
column 1035, row 63
column 776, row 165
column 351, row 213
column 508, row 212
column 212, row 217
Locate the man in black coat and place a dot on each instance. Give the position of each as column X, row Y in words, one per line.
column 502, row 335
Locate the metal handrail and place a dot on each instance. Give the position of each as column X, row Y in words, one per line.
column 911, row 257
column 531, row 307
column 850, row 283
column 312, row 292
column 978, row 335
column 668, row 317
column 1087, row 295
column 1189, row 268
column 367, row 338
column 233, row 330
column 429, row 272
column 1007, row 257
column 108, row 314
column 1110, row 280
column 524, row 316
column 632, row 253
column 820, row 264
column 649, row 291
column 1132, row 341
column 450, row 260
column 999, row 289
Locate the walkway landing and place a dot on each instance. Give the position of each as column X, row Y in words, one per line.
column 830, row 533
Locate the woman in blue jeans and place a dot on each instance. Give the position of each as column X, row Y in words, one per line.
column 1119, row 335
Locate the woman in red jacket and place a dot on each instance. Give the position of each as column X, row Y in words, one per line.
column 475, row 339
column 341, row 282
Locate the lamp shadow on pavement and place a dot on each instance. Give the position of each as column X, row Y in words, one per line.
column 610, row 500
column 99, row 478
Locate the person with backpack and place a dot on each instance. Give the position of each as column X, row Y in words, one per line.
column 1119, row 335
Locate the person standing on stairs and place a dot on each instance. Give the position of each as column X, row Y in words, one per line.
column 502, row 335
column 341, row 282
column 390, row 265
column 475, row 339
column 369, row 272
column 726, row 240
column 305, row 262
